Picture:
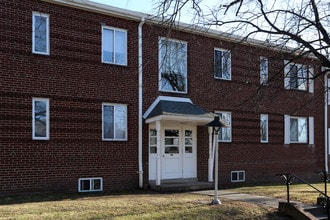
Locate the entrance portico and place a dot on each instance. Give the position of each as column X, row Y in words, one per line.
column 173, row 138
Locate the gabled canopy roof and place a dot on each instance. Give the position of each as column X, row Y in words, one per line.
column 180, row 110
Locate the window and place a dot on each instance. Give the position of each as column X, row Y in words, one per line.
column 40, row 119
column 263, row 71
column 222, row 64
column 90, row 184
column 114, row 46
column 153, row 141
column 238, row 176
column 172, row 66
column 225, row 133
column 114, row 122
column 298, row 77
column 298, row 129
column 264, row 128
column 40, row 33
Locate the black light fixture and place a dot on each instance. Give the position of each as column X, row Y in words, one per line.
column 216, row 124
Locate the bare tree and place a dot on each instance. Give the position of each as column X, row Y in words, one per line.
column 302, row 25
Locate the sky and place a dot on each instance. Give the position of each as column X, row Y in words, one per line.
column 144, row 6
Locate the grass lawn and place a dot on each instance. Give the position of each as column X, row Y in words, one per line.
column 134, row 205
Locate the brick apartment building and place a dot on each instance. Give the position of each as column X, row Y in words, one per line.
column 96, row 98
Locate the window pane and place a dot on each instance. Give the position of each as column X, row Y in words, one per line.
column 120, row 53
column 108, row 45
column 188, row 150
column 85, row 185
column 188, row 133
column 264, row 127
column 217, row 64
column 234, row 176
column 40, row 34
column 171, row 150
column 173, row 66
column 226, row 65
column 222, row 64
column 96, row 184
column 302, row 130
column 302, row 78
column 225, row 133
column 293, row 74
column 108, row 122
column 153, row 132
column 40, row 119
column 153, row 150
column 263, row 70
column 120, row 122
column 294, row 129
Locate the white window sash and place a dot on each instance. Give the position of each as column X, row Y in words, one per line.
column 173, row 57
column 114, row 39
column 119, row 122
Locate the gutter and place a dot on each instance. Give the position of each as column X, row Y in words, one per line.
column 140, row 70
column 326, row 138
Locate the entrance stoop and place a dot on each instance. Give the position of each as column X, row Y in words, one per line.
column 181, row 185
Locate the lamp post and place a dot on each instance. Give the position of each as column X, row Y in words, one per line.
column 216, row 125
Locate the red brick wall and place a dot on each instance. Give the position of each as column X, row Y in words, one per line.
column 76, row 83
column 246, row 100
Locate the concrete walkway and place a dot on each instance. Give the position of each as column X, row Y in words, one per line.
column 255, row 199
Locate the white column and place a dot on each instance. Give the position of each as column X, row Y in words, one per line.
column 159, row 153
column 211, row 155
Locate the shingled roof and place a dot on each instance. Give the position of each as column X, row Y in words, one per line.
column 179, row 109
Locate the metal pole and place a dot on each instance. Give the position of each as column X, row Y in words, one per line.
column 216, row 200
column 287, row 187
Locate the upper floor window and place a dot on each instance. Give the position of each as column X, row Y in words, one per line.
column 222, row 64
column 263, row 71
column 40, row 33
column 225, row 133
column 40, row 119
column 264, row 128
column 172, row 65
column 114, row 46
column 298, row 129
column 298, row 76
column 114, row 122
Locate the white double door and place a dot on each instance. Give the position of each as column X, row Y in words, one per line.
column 178, row 156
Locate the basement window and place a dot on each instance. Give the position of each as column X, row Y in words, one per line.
column 90, row 184
column 238, row 176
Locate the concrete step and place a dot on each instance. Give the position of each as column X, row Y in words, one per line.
column 181, row 185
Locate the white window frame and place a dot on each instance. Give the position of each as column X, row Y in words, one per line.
column 115, row 122
column 115, row 30
column 237, row 172
column 34, row 137
column 223, row 63
column 265, row 124
column 34, row 14
column 227, row 118
column 91, row 184
column 162, row 61
column 305, row 70
column 309, row 130
column 263, row 71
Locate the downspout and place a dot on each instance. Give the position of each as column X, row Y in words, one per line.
column 140, row 101
column 326, row 138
